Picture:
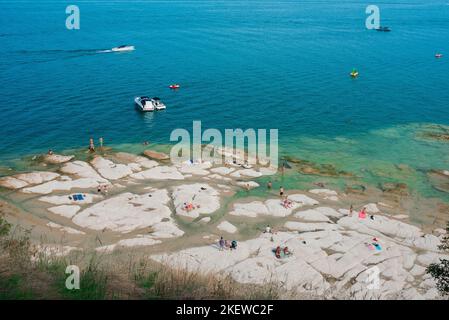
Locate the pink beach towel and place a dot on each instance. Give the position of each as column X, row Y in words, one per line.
column 362, row 214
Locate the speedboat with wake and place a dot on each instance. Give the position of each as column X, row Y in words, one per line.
column 123, row 48
column 149, row 104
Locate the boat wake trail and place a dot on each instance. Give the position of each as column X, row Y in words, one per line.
column 42, row 56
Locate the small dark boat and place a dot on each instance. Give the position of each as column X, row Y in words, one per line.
column 383, row 29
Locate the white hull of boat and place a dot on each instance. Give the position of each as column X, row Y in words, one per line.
column 148, row 107
column 123, row 49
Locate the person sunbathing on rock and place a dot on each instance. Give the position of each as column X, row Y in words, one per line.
column 277, row 252
column 287, row 252
column 188, row 207
column 362, row 213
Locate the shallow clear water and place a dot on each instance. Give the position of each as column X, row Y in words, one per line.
column 247, row 64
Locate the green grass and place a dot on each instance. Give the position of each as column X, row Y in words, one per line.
column 12, row 288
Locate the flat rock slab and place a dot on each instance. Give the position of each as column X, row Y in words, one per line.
column 126, row 212
column 25, row 179
column 156, row 155
column 67, row 211
column 159, row 173
column 222, row 170
column 227, row 227
column 140, row 240
column 271, row 207
column 110, row 170
column 63, row 185
column 203, row 197
column 57, row 158
column 81, row 169
column 69, row 199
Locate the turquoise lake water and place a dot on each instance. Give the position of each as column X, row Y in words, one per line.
column 241, row 64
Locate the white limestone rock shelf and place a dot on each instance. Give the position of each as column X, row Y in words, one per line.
column 67, row 211
column 81, row 169
column 271, row 207
column 337, row 250
column 127, row 212
column 304, row 227
column 227, row 227
column 64, row 229
column 248, row 173
column 57, row 158
column 159, row 173
column 222, row 170
column 135, row 161
column 63, row 185
column 302, row 199
column 248, row 184
column 110, row 170
column 12, row 183
column 320, row 214
column 68, row 199
column 203, row 197
column 381, row 225
column 26, row 179
column 199, row 169
column 140, row 240
column 216, row 176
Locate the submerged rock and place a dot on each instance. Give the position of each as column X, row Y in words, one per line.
column 398, row 189
column 57, row 158
column 156, row 155
column 310, row 168
column 439, row 179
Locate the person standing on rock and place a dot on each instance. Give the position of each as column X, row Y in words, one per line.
column 281, row 191
column 101, row 142
column 91, row 145
column 221, row 243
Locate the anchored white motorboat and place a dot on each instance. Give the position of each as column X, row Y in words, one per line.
column 149, row 104
column 123, row 48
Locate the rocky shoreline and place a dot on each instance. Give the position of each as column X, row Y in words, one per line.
column 143, row 201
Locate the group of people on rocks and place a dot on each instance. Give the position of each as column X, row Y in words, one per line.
column 189, row 206
column 227, row 244
column 92, row 144
column 362, row 213
column 103, row 189
column 282, row 252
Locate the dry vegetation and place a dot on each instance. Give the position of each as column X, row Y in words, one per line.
column 106, row 276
